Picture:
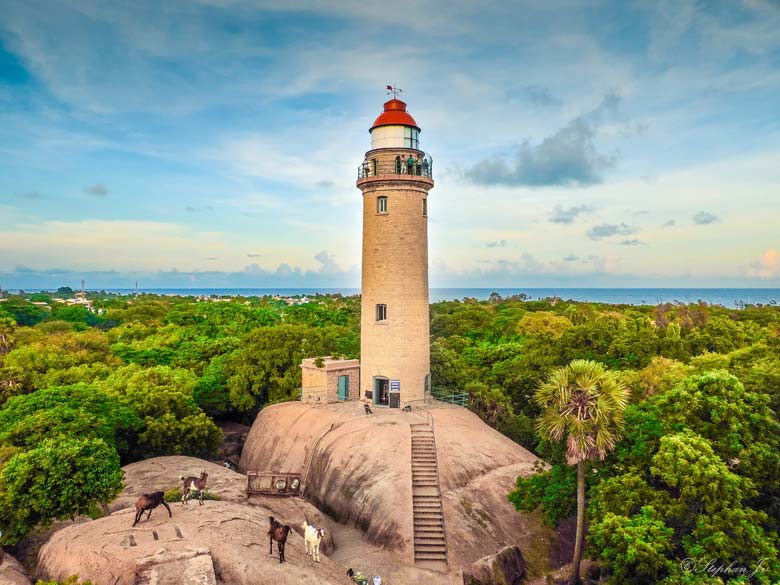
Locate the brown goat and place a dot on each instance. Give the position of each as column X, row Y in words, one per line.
column 189, row 484
column 277, row 532
column 150, row 502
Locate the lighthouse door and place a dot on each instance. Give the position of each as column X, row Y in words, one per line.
column 381, row 391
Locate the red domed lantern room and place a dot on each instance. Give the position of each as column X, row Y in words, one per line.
column 395, row 128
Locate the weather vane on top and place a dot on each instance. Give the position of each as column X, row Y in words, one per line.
column 394, row 90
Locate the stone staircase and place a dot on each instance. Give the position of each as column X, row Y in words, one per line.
column 430, row 541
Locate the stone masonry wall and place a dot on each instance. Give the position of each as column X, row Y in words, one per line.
column 395, row 273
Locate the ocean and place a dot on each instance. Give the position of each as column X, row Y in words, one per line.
column 728, row 297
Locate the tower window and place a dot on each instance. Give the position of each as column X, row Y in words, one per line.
column 374, row 165
column 425, row 207
column 411, row 137
column 381, row 312
column 381, row 204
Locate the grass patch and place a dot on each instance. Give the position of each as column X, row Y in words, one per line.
column 174, row 495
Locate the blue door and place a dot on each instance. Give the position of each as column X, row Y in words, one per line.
column 343, row 387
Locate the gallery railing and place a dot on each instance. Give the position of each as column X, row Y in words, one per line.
column 410, row 166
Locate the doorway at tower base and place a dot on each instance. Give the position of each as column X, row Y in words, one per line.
column 327, row 379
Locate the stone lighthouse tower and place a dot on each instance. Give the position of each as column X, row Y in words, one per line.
column 395, row 178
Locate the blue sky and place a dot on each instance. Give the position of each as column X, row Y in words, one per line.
column 215, row 143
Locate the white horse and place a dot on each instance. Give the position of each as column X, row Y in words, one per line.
column 312, row 537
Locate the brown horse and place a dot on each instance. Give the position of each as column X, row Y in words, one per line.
column 277, row 532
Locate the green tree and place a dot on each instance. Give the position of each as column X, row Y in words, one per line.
column 172, row 422
column 699, row 501
column 7, row 328
column 554, row 490
column 544, row 324
column 24, row 313
column 637, row 549
column 211, row 392
column 719, row 335
column 75, row 314
column 266, row 367
column 59, row 479
column 60, row 352
column 582, row 404
column 69, row 411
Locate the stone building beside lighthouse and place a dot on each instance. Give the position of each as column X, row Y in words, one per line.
column 394, row 370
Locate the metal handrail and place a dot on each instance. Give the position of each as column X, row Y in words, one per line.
column 313, row 393
column 307, row 465
column 459, row 398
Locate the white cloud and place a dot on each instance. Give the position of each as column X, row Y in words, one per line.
column 767, row 266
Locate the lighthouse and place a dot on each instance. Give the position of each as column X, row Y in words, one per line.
column 395, row 178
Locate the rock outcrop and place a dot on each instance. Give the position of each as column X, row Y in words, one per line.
column 109, row 550
column 506, row 567
column 357, row 469
column 194, row 567
column 12, row 572
column 162, row 474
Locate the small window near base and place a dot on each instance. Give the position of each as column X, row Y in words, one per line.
column 381, row 312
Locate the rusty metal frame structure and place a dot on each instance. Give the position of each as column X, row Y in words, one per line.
column 273, row 483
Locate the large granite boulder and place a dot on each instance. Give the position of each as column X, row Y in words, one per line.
column 506, row 567
column 162, row 474
column 357, row 469
column 11, row 571
column 232, row 536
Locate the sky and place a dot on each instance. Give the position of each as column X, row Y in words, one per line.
column 215, row 143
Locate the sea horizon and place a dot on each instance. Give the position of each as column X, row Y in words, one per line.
column 728, row 297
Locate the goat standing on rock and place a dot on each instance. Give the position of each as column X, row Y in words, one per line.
column 150, row 502
column 312, row 537
column 278, row 532
column 190, row 484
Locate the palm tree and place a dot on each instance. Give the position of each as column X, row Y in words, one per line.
column 582, row 403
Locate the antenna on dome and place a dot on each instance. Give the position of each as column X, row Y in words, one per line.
column 392, row 89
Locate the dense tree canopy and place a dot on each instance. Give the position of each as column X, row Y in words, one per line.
column 697, row 473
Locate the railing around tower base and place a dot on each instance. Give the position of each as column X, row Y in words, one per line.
column 459, row 398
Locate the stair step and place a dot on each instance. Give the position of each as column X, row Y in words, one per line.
column 437, row 544
column 429, row 522
column 430, row 542
column 430, row 556
column 429, row 532
column 427, row 515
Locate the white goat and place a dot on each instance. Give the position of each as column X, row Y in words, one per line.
column 313, row 537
